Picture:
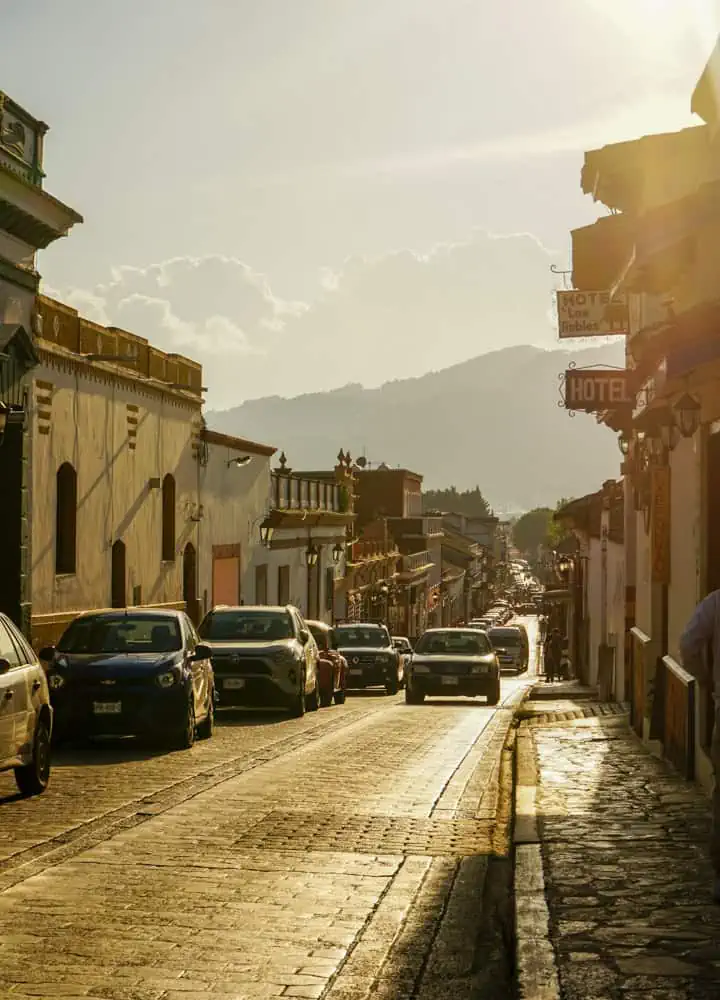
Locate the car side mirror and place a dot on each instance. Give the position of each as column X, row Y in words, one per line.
column 4, row 666
column 202, row 652
column 304, row 636
column 47, row 653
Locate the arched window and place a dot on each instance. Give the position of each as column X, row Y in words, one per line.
column 118, row 598
column 65, row 519
column 168, row 519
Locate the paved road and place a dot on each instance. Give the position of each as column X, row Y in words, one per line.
column 325, row 856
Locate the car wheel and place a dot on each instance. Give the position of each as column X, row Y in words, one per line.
column 184, row 737
column 298, row 707
column 207, row 726
column 326, row 699
column 413, row 697
column 340, row 697
column 33, row 778
column 494, row 697
column 315, row 699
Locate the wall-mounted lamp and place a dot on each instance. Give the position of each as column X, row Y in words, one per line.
column 4, row 410
column 239, row 462
column 624, row 444
column 337, row 552
column 266, row 533
column 687, row 410
column 312, row 555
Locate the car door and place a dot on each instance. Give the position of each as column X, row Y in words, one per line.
column 309, row 651
column 14, row 698
column 198, row 670
column 34, row 691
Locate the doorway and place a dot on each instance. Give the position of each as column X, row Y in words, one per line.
column 118, row 594
column 190, row 582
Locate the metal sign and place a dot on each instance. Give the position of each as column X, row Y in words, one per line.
column 594, row 390
column 592, row 314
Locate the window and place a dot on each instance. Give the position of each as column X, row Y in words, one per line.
column 261, row 584
column 329, row 589
column 283, row 585
column 127, row 633
column 453, row 643
column 65, row 519
column 234, row 624
column 168, row 519
column 370, row 636
column 7, row 647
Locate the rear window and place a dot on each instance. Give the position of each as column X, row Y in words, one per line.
column 361, row 635
column 122, row 633
column 504, row 637
column 453, row 643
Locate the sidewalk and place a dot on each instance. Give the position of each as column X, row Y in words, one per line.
column 612, row 877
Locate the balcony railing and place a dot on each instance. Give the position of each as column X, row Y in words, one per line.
column 417, row 526
column 298, row 493
column 416, row 562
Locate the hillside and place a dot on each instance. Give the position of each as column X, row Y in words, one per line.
column 492, row 421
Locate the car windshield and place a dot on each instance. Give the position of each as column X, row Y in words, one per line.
column 504, row 637
column 455, row 643
column 320, row 636
column 361, row 635
column 122, row 634
column 236, row 624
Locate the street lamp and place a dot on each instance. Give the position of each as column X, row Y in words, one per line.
column 311, row 555
column 624, row 444
column 266, row 533
column 687, row 409
column 337, row 552
column 239, row 462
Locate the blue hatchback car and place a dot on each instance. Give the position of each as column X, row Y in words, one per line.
column 138, row 672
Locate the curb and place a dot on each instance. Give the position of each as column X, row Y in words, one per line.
column 535, row 968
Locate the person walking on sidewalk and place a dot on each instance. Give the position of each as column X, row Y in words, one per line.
column 553, row 655
column 701, row 634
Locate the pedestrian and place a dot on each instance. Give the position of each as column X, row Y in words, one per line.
column 553, row 655
column 700, row 646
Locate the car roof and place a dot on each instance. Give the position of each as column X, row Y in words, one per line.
column 143, row 612
column 453, row 628
column 278, row 608
column 360, row 625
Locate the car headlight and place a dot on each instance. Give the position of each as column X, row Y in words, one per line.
column 56, row 681
column 167, row 679
column 284, row 656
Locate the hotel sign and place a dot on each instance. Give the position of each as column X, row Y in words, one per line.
column 592, row 314
column 594, row 390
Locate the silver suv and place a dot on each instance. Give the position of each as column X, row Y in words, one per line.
column 25, row 712
column 263, row 657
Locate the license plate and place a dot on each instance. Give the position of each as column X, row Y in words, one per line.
column 233, row 683
column 449, row 680
column 355, row 671
column 107, row 707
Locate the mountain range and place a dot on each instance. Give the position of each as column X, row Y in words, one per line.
column 493, row 421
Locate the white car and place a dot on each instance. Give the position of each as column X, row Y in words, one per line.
column 25, row 712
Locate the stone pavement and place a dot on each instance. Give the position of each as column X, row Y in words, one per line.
column 348, row 855
column 612, row 876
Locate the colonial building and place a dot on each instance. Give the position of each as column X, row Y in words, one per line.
column 30, row 220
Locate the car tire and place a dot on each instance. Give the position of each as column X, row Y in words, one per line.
column 494, row 697
column 33, row 778
column 339, row 697
column 326, row 699
column 315, row 699
column 413, row 697
column 393, row 686
column 298, row 707
column 184, row 736
column 207, row 726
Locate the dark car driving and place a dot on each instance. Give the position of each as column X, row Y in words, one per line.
column 512, row 647
column 132, row 673
column 453, row 661
column 372, row 659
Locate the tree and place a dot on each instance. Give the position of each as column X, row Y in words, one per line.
column 470, row 502
column 533, row 530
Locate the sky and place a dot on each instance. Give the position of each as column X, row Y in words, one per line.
column 305, row 193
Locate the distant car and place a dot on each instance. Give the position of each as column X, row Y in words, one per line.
column 449, row 661
column 139, row 672
column 332, row 665
column 26, row 717
column 372, row 659
column 263, row 657
column 512, row 647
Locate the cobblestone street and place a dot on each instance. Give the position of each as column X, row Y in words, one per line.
column 614, row 864
column 347, row 852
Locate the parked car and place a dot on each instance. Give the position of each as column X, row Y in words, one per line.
column 512, row 647
column 263, row 657
column 26, row 717
column 139, row 672
column 453, row 661
column 404, row 647
column 332, row 665
column 372, row 659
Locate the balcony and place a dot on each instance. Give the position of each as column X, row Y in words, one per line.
column 416, row 527
column 371, row 548
column 415, row 564
column 290, row 492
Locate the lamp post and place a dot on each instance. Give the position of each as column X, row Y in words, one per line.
column 687, row 410
column 312, row 554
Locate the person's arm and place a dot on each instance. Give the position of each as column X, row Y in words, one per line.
column 698, row 634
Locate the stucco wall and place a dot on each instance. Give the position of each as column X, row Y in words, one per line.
column 290, row 551
column 685, row 503
column 234, row 501
column 83, row 420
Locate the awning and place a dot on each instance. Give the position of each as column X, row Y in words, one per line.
column 600, row 252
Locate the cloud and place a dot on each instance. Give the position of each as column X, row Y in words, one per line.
column 373, row 320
